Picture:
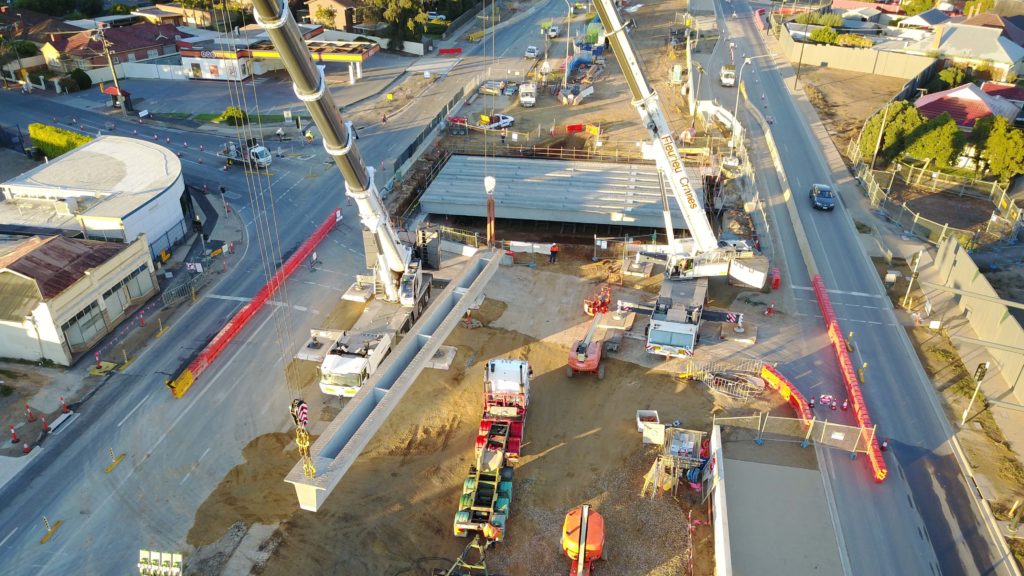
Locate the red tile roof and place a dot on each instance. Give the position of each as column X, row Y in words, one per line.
column 123, row 39
column 55, row 263
column 965, row 104
column 1008, row 91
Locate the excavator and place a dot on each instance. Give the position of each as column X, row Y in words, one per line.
column 583, row 539
column 396, row 274
column 701, row 255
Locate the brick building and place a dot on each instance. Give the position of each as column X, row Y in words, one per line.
column 127, row 44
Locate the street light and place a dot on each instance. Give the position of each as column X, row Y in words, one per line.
column 979, row 374
column 696, row 93
column 736, row 107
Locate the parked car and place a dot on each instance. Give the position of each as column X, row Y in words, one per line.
column 822, row 197
column 511, row 89
column 491, row 87
column 532, row 52
column 436, row 16
column 553, row 31
column 496, row 121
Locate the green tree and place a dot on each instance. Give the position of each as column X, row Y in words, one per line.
column 825, row 35
column 53, row 141
column 1004, row 150
column 939, row 140
column 81, row 78
column 120, row 9
column 915, row 7
column 325, row 15
column 233, row 116
column 819, row 19
column 900, row 119
column 952, row 76
column 854, row 40
column 980, row 5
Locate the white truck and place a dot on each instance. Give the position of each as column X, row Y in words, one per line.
column 675, row 320
column 727, row 75
column 528, row 95
column 347, row 359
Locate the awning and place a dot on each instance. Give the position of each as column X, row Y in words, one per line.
column 112, row 90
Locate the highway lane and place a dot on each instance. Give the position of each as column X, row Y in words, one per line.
column 921, row 519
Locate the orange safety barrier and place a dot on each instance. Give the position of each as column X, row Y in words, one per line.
column 211, row 351
column 449, row 51
column 574, row 128
column 850, row 381
column 788, row 392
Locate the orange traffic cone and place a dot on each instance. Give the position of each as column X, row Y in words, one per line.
column 46, row 427
column 31, row 417
column 14, row 435
column 25, row 448
column 63, row 405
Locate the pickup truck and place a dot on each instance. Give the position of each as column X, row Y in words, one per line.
column 553, row 31
column 496, row 121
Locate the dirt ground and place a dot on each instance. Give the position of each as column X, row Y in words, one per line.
column 963, row 212
column 845, row 100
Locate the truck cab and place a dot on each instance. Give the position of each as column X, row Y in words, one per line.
column 675, row 320
column 727, row 75
column 528, row 95
column 351, row 360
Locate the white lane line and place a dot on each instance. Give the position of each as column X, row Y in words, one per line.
column 844, row 292
column 137, row 406
column 194, row 466
column 232, row 298
column 4, row 541
column 205, row 452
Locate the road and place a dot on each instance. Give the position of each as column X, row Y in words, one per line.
column 179, row 450
column 922, row 519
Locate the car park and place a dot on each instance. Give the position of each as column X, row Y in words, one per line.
column 822, row 197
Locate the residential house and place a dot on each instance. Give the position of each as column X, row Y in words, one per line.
column 985, row 50
column 189, row 16
column 32, row 26
column 347, row 13
column 1010, row 92
column 127, row 44
column 966, row 104
column 866, row 13
column 989, row 20
column 928, row 20
column 155, row 15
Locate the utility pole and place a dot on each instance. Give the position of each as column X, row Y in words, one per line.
column 113, row 72
column 913, row 276
column 881, row 132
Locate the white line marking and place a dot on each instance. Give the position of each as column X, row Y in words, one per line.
column 185, row 479
column 845, row 292
column 4, row 541
column 194, row 466
column 137, row 406
column 207, row 451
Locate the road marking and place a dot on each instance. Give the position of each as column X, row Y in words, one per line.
column 843, row 292
column 4, row 541
column 137, row 406
column 194, row 466
column 277, row 303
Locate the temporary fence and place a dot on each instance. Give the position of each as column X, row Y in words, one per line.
column 1004, row 209
column 199, row 277
column 852, row 384
column 181, row 384
column 763, row 427
column 737, row 379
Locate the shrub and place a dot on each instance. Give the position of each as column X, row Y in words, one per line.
column 818, row 19
column 952, row 76
column 68, row 84
column 80, row 77
column 233, row 116
column 53, row 141
column 854, row 40
column 824, row 35
column 25, row 49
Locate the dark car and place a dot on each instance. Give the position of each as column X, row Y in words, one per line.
column 822, row 197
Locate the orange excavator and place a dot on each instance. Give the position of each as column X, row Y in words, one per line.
column 582, row 539
column 599, row 302
column 585, row 354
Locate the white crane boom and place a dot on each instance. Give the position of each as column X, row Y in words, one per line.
column 393, row 257
column 645, row 100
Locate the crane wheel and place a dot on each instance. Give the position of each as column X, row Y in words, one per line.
column 569, row 372
column 600, row 371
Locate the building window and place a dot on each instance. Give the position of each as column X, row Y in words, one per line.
column 131, row 57
column 170, row 49
column 132, row 287
column 84, row 326
column 152, row 53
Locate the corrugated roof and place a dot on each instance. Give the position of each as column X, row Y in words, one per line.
column 18, row 296
column 1003, row 90
column 990, row 20
column 926, row 19
column 55, row 263
column 965, row 104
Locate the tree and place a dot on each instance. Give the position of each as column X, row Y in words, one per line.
column 825, row 35
column 952, row 76
column 915, row 7
column 901, row 120
column 1004, row 150
column 81, row 78
column 854, row 40
column 233, row 116
column 53, row 141
column 979, row 5
column 325, row 15
column 120, row 9
column 938, row 139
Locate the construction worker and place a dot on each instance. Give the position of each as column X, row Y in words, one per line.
column 280, row 134
column 384, row 118
column 491, row 532
column 504, row 133
column 553, row 257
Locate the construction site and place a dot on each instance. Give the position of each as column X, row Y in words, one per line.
column 483, row 404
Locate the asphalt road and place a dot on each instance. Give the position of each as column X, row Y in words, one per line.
column 179, row 450
column 921, row 520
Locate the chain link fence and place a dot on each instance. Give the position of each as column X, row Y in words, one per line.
column 763, row 426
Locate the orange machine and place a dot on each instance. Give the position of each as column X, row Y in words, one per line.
column 599, row 302
column 585, row 355
column 582, row 539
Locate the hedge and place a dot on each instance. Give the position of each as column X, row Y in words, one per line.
column 53, row 141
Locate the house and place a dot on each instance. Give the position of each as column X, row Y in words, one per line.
column 155, row 15
column 127, row 44
column 966, row 104
column 989, row 20
column 1010, row 92
column 866, row 13
column 345, row 13
column 983, row 49
column 59, row 296
column 189, row 16
column 32, row 26
column 928, row 19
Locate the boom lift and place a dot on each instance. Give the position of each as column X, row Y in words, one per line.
column 702, row 255
column 394, row 269
column 585, row 354
column 582, row 539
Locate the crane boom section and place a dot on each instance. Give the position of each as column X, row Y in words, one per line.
column 645, row 100
column 310, row 87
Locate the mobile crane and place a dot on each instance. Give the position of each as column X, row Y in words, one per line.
column 400, row 276
column 702, row 255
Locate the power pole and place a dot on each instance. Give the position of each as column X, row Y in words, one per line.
column 113, row 72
